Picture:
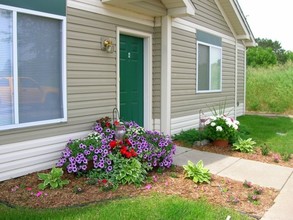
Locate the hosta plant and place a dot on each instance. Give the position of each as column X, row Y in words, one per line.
column 245, row 146
column 52, row 179
column 198, row 173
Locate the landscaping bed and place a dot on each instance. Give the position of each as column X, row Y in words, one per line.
column 24, row 192
column 272, row 158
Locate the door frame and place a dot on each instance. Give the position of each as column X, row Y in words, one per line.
column 147, row 72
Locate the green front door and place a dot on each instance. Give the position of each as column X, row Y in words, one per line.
column 131, row 79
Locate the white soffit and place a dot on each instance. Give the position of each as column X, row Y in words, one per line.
column 175, row 8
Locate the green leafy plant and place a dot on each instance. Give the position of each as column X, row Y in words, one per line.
column 188, row 137
column 247, row 184
column 198, row 173
column 52, row 179
column 265, row 150
column 245, row 146
column 77, row 190
column 127, row 171
column 286, row 156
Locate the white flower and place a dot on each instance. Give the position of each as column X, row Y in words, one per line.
column 219, row 128
column 213, row 124
column 213, row 118
column 235, row 126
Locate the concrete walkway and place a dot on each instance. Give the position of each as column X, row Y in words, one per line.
column 263, row 174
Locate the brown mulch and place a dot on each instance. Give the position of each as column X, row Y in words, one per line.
column 222, row 191
column 272, row 158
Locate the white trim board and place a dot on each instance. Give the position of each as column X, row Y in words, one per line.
column 147, row 72
column 108, row 10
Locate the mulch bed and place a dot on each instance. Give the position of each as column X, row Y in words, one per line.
column 257, row 155
column 23, row 191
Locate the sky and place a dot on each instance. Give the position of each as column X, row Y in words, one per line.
column 270, row 19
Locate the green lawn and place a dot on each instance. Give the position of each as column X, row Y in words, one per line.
column 155, row 207
column 276, row 132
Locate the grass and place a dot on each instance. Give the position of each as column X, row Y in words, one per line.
column 270, row 89
column 155, row 207
column 276, row 132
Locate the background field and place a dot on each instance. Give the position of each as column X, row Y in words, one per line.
column 270, row 89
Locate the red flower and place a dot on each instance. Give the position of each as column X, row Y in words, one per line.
column 127, row 142
column 116, row 123
column 133, row 153
column 128, row 154
column 108, row 124
column 104, row 181
column 113, row 144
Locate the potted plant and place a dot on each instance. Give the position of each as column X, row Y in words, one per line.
column 221, row 129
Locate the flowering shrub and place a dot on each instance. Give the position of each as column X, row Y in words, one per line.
column 140, row 150
column 221, row 127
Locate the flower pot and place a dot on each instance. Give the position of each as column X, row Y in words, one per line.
column 221, row 143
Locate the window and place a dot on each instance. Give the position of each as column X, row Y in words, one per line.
column 32, row 64
column 209, row 63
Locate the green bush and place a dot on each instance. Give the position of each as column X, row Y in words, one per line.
column 197, row 172
column 265, row 150
column 245, row 146
column 52, row 179
column 188, row 137
column 221, row 127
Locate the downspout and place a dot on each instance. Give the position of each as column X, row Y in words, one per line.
column 236, row 79
column 244, row 101
column 166, row 31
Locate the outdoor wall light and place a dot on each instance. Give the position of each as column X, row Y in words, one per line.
column 107, row 45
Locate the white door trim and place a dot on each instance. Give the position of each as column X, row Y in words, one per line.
column 148, row 66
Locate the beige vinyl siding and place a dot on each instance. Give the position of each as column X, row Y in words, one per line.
column 91, row 76
column 209, row 16
column 185, row 100
column 91, row 94
column 157, row 73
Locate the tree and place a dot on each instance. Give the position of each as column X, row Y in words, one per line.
column 258, row 56
column 275, row 46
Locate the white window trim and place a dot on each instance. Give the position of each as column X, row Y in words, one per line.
column 16, row 124
column 147, row 78
column 221, row 77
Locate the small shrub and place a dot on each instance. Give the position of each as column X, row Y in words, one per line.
column 286, row 156
column 253, row 198
column 52, row 179
column 106, row 185
column 197, row 172
column 77, row 190
column 265, row 150
column 188, row 137
column 92, row 181
column 258, row 191
column 245, row 146
column 276, row 158
column 247, row 184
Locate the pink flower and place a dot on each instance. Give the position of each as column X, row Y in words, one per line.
column 39, row 194
column 149, row 186
column 29, row 189
column 155, row 179
column 166, row 183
